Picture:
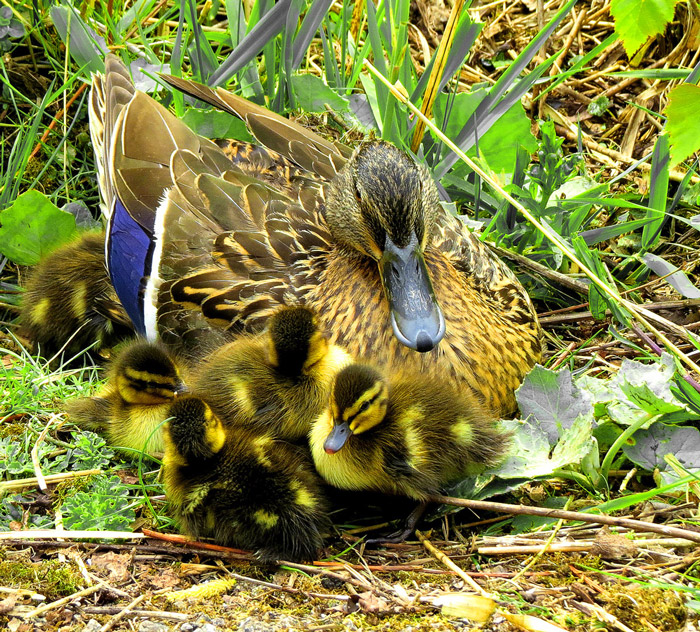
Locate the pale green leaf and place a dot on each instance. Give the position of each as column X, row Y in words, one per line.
column 553, row 399
column 682, row 121
column 638, row 20
column 32, row 227
column 649, row 447
column 313, row 94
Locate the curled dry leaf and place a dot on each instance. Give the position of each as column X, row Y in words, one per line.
column 369, row 602
column 466, row 606
column 530, row 623
column 612, row 546
column 8, row 604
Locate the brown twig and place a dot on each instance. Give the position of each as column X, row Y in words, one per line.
column 523, row 510
column 55, row 120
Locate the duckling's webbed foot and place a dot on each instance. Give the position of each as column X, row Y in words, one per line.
column 400, row 536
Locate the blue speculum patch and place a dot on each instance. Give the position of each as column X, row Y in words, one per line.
column 129, row 253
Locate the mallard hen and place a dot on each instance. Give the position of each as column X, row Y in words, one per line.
column 202, row 237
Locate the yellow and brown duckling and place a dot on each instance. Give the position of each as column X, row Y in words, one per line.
column 69, row 301
column 401, row 433
column 241, row 487
column 277, row 381
column 143, row 381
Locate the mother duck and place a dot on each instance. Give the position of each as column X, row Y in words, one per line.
column 205, row 238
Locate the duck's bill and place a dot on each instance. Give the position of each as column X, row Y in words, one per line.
column 336, row 439
column 416, row 317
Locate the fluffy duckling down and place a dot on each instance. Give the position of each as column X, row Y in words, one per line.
column 277, row 381
column 142, row 382
column 69, row 302
column 404, row 434
column 240, row 486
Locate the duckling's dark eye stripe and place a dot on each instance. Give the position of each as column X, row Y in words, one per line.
column 372, row 396
column 145, row 379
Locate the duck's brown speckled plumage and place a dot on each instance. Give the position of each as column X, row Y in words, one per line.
column 248, row 229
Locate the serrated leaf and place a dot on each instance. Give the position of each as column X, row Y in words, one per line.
column 104, row 507
column 32, row 227
column 599, row 391
column 638, row 20
column 647, row 448
column 313, row 94
column 681, row 116
column 648, row 387
column 553, row 399
column 530, row 453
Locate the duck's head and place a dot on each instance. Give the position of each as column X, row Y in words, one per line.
column 296, row 344
column 384, row 205
column 358, row 403
column 146, row 374
column 193, row 430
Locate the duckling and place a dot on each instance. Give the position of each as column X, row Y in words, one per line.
column 69, row 301
column 142, row 382
column 277, row 381
column 241, row 487
column 202, row 238
column 403, row 433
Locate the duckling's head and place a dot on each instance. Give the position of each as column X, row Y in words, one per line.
column 296, row 344
column 384, row 205
column 358, row 403
column 193, row 431
column 144, row 373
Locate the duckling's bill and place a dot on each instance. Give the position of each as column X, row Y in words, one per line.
column 416, row 317
column 337, row 438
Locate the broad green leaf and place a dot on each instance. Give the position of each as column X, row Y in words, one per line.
column 523, row 524
column 600, row 392
column 682, row 121
column 313, row 94
column 32, row 227
column 553, row 399
column 530, row 454
column 216, row 124
column 648, row 387
column 496, row 146
column 649, row 447
column 638, row 20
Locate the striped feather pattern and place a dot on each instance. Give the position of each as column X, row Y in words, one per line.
column 239, row 229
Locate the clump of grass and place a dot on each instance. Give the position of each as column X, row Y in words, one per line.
column 51, row 578
column 634, row 605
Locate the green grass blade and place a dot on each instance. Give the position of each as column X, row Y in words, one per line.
column 270, row 25
column 658, row 190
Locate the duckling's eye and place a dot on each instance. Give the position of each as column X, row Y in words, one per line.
column 364, row 407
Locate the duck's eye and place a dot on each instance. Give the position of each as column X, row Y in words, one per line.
column 364, row 407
